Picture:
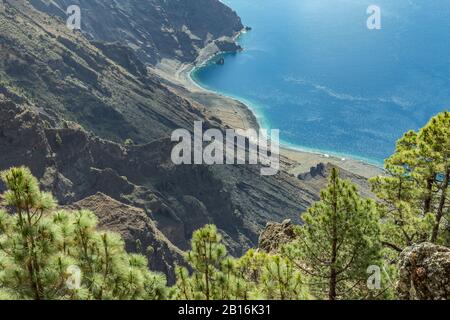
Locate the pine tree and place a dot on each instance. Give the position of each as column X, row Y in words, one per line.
column 415, row 189
column 205, row 257
column 214, row 274
column 26, row 240
column 48, row 254
column 434, row 149
column 281, row 280
column 272, row 276
column 338, row 241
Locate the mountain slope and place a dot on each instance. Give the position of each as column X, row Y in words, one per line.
column 67, row 108
column 68, row 103
column 155, row 29
column 71, row 79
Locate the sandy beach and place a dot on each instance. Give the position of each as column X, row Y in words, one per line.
column 235, row 114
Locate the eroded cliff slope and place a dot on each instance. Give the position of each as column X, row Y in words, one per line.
column 67, row 105
column 155, row 29
column 69, row 101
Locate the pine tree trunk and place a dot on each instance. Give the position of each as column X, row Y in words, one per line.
column 440, row 211
column 207, row 269
column 429, row 196
column 333, row 273
column 332, row 292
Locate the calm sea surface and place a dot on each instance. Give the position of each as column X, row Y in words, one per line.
column 313, row 69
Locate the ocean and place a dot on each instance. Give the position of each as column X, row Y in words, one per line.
column 315, row 71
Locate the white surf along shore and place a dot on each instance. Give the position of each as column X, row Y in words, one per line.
column 238, row 115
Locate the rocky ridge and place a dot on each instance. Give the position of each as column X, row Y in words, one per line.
column 155, row 29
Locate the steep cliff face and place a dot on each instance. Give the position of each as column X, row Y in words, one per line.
column 71, row 79
column 74, row 164
column 67, row 105
column 155, row 29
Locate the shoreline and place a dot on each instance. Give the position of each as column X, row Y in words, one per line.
column 237, row 114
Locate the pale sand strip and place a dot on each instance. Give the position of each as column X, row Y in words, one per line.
column 236, row 114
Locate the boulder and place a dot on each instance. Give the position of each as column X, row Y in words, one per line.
column 424, row 273
column 275, row 235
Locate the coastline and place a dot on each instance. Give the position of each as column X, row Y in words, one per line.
column 236, row 114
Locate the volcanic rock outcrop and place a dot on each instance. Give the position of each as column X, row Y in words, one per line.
column 275, row 235
column 424, row 273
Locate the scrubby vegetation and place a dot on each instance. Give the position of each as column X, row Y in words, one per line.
column 47, row 253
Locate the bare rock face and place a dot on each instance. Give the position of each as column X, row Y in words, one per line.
column 275, row 235
column 155, row 29
column 321, row 170
column 74, row 164
column 424, row 273
column 318, row 176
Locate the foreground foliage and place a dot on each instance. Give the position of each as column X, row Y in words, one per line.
column 256, row 275
column 47, row 254
column 345, row 240
column 415, row 192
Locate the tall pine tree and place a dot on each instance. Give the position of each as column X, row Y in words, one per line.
column 338, row 241
column 415, row 190
column 214, row 275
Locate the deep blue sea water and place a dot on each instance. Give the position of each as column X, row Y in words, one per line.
column 313, row 69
